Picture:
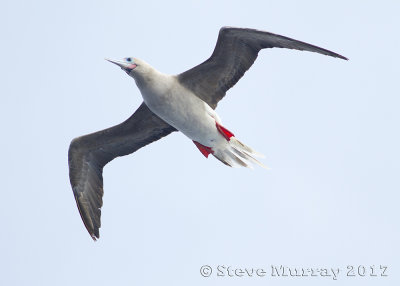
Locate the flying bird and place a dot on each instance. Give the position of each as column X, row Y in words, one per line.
column 185, row 102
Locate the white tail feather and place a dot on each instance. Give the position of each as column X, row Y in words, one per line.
column 236, row 154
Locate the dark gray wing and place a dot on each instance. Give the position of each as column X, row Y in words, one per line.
column 88, row 155
column 235, row 52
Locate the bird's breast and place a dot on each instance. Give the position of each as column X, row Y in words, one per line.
column 180, row 108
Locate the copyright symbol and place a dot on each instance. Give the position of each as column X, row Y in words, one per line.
column 205, row 271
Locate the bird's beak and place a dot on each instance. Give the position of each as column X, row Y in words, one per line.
column 122, row 65
column 125, row 66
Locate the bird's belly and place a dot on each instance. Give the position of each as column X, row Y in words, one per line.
column 188, row 114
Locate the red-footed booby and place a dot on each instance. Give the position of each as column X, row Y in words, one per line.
column 183, row 102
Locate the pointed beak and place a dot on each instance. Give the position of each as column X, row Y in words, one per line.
column 125, row 66
column 122, row 65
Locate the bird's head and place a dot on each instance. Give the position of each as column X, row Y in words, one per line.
column 132, row 66
column 126, row 64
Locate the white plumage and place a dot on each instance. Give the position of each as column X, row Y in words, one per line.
column 182, row 109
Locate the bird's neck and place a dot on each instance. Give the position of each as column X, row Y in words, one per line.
column 146, row 76
column 151, row 80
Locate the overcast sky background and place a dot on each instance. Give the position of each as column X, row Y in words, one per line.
column 329, row 130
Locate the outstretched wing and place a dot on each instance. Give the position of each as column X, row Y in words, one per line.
column 235, row 52
column 88, row 155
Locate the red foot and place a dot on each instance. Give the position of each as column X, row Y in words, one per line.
column 225, row 132
column 204, row 149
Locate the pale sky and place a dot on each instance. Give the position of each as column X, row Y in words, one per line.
column 329, row 130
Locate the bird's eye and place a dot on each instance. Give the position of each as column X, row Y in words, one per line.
column 128, row 59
